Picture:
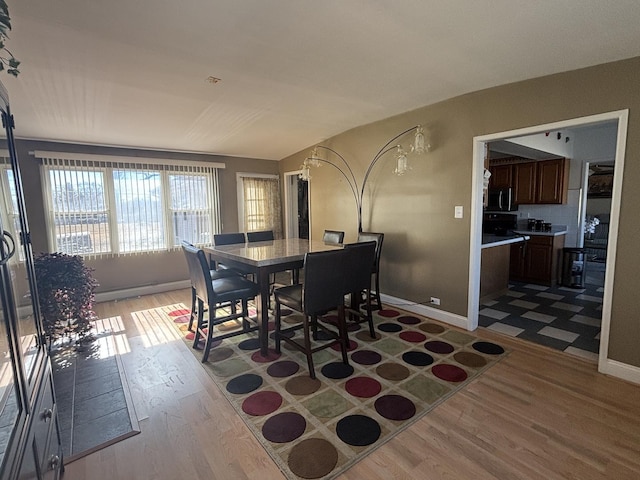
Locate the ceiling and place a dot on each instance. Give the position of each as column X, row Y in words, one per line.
column 293, row 72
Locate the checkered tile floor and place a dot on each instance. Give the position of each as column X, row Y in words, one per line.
column 563, row 318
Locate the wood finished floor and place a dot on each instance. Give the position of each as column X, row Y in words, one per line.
column 537, row 414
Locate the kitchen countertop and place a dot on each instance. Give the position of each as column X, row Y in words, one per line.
column 555, row 231
column 489, row 240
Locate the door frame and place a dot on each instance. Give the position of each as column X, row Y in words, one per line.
column 291, row 205
column 479, row 143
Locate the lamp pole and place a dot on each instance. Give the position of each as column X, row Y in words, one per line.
column 351, row 179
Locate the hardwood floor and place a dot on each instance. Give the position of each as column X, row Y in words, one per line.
column 537, row 414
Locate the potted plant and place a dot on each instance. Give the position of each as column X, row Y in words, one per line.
column 66, row 294
column 6, row 57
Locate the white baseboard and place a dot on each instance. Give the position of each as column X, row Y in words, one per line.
column 420, row 309
column 139, row 291
column 620, row 370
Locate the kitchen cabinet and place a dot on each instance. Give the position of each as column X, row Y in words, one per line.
column 524, row 182
column 501, row 176
column 30, row 445
column 537, row 260
column 540, row 182
column 552, row 181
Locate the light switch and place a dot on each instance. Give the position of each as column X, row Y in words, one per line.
column 458, row 211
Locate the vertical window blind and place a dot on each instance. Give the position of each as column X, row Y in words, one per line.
column 98, row 205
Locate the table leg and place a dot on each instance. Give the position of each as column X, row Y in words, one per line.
column 262, row 306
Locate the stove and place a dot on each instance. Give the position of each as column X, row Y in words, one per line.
column 500, row 224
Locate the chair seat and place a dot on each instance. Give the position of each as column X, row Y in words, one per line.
column 226, row 289
column 223, row 273
column 290, row 296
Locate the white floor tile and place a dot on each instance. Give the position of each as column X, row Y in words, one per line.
column 489, row 303
column 559, row 334
column 506, row 329
column 524, row 304
column 540, row 317
column 491, row 313
column 552, row 296
column 582, row 353
column 594, row 322
column 574, row 290
column 589, row 298
column 567, row 306
column 514, row 294
column 533, row 286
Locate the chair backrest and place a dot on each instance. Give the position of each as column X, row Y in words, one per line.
column 375, row 237
column 199, row 272
column 360, row 257
column 323, row 280
column 333, row 236
column 261, row 236
column 228, row 238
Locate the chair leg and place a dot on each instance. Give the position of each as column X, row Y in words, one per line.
column 199, row 324
column 307, row 346
column 342, row 331
column 208, row 341
column 245, row 314
column 378, row 299
column 369, row 314
column 193, row 309
column 277, row 329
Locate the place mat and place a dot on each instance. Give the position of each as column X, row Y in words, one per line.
column 319, row 428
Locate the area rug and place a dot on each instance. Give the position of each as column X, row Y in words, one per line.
column 319, row 428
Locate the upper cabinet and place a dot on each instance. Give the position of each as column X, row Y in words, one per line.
column 501, row 176
column 534, row 182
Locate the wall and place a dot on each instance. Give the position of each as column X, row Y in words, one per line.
column 138, row 270
column 426, row 250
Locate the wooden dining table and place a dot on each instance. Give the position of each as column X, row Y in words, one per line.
column 262, row 259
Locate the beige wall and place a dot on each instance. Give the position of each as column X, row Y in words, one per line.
column 139, row 270
column 426, row 250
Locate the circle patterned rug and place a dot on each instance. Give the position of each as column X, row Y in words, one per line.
column 318, row 428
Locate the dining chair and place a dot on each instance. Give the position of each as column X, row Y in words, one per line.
column 322, row 290
column 261, row 236
column 375, row 269
column 228, row 239
column 360, row 257
column 216, row 295
column 333, row 236
column 215, row 274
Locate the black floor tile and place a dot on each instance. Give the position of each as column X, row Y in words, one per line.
column 587, row 333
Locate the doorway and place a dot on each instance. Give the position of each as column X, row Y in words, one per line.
column 296, row 194
column 620, row 119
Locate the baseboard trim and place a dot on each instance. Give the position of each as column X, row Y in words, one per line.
column 420, row 309
column 620, row 370
column 140, row 291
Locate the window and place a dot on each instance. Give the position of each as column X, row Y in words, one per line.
column 9, row 203
column 102, row 205
column 259, row 203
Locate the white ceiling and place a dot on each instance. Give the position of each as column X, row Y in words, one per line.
column 294, row 72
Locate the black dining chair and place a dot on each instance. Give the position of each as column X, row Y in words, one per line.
column 322, row 290
column 375, row 269
column 215, row 274
column 333, row 236
column 228, row 239
column 360, row 257
column 213, row 295
column 261, row 236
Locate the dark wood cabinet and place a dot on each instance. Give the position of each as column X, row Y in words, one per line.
column 501, row 176
column 524, row 183
column 552, row 181
column 539, row 182
column 537, row 260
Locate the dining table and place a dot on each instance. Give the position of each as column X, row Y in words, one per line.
column 261, row 259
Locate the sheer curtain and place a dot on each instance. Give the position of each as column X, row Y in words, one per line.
column 261, row 204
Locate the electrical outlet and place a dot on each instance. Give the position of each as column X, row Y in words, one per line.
column 435, row 301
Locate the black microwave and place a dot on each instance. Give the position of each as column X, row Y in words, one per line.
column 501, row 200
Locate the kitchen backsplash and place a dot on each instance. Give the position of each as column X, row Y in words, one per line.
column 555, row 214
